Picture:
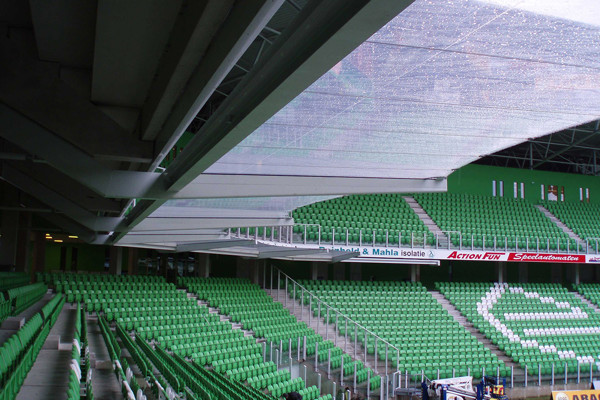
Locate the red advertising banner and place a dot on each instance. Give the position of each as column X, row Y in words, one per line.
column 542, row 257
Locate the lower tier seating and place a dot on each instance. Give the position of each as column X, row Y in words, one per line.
column 79, row 379
column 250, row 306
column 24, row 296
column 167, row 326
column 9, row 280
column 20, row 350
column 590, row 291
column 409, row 318
column 538, row 325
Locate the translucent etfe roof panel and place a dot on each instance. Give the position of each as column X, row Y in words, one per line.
column 439, row 86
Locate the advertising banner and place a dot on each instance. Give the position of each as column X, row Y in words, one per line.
column 576, row 395
column 463, row 255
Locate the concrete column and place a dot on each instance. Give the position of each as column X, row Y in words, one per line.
column 415, row 273
column 556, row 273
column 355, row 271
column 132, row 261
column 314, row 270
column 246, row 268
column 339, row 272
column 501, row 271
column 9, row 239
column 24, row 243
column 523, row 270
column 116, row 261
column 576, row 274
column 203, row 265
column 39, row 252
column 254, row 272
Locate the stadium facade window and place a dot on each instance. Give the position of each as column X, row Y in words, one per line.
column 501, row 188
column 552, row 193
column 522, row 190
column 587, row 195
column 516, row 190
column 494, row 188
column 543, row 191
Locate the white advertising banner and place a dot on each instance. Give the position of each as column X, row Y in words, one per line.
column 451, row 254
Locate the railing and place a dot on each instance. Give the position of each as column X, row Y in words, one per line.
column 392, row 376
column 416, row 240
column 385, row 368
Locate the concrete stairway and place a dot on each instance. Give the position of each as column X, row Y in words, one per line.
column 586, row 301
column 49, row 375
column 327, row 331
column 11, row 325
column 560, row 224
column 453, row 311
column 429, row 223
column 104, row 381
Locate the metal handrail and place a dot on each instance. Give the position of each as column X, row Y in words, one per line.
column 473, row 236
column 336, row 310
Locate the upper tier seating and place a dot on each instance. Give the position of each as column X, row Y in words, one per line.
column 156, row 311
column 485, row 220
column 581, row 218
column 408, row 317
column 374, row 213
column 535, row 324
column 251, row 306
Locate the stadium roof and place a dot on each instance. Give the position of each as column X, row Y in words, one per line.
column 289, row 102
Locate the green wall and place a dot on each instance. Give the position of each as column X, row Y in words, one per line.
column 477, row 179
column 89, row 257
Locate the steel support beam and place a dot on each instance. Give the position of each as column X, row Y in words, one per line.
column 288, row 252
column 188, row 43
column 213, row 244
column 243, row 24
column 55, row 200
column 574, row 143
column 68, row 187
column 216, row 186
column 35, row 91
column 321, row 35
column 186, row 223
column 70, row 160
column 345, row 256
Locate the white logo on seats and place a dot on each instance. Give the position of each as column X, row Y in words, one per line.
column 495, row 293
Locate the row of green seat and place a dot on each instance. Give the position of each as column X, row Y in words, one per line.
column 489, row 220
column 165, row 316
column 582, row 218
column 373, row 218
column 129, row 385
column 537, row 325
column 9, row 280
column 591, row 291
column 5, row 309
column 249, row 305
column 20, row 351
column 382, row 307
column 24, row 296
column 80, row 361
